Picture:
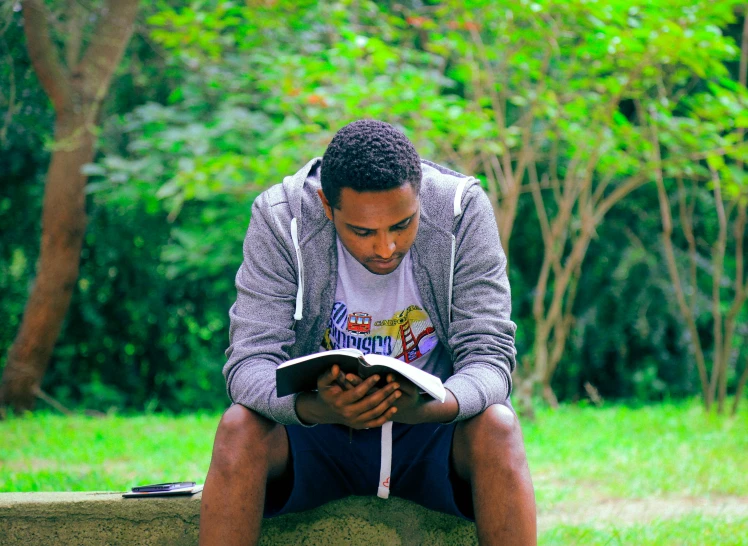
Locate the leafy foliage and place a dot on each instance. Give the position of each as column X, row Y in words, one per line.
column 218, row 100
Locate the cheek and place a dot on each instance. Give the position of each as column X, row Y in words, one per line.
column 357, row 246
column 409, row 236
column 404, row 240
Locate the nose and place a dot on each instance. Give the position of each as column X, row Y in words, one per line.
column 384, row 246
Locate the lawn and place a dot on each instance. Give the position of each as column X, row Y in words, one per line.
column 664, row 474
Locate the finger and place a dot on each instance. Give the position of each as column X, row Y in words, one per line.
column 361, row 390
column 381, row 408
column 373, row 400
column 341, row 380
column 328, row 378
column 391, row 377
column 379, row 421
column 353, row 379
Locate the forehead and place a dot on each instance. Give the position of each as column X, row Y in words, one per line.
column 377, row 209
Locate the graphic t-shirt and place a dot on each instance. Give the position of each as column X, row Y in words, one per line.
column 383, row 314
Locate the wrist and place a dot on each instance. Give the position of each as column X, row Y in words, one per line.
column 434, row 411
column 429, row 410
column 309, row 409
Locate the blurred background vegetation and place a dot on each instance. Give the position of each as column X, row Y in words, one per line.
column 594, row 127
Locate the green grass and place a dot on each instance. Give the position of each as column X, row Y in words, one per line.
column 579, row 453
column 690, row 531
column 579, row 457
column 48, row 452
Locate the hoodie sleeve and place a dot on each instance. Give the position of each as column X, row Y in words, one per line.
column 261, row 329
column 481, row 334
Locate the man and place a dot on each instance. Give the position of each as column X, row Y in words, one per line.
column 374, row 248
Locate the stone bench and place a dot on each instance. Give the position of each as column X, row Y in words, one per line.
column 107, row 518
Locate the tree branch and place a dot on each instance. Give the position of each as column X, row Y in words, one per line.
column 75, row 20
column 619, row 193
column 718, row 264
column 739, row 391
column 106, row 47
column 743, row 70
column 667, row 231
column 601, row 187
column 537, row 197
column 12, row 106
column 564, row 323
column 493, row 185
column 44, row 55
column 685, row 211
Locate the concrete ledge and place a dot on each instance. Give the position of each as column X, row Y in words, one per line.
column 107, row 518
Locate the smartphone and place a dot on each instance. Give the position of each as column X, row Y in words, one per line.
column 158, row 487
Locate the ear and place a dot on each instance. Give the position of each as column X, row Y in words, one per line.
column 325, row 204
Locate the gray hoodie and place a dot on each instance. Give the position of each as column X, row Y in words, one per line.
column 286, row 289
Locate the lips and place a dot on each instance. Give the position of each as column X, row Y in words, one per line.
column 385, row 264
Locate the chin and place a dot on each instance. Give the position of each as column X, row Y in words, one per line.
column 383, row 269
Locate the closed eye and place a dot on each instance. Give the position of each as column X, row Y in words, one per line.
column 402, row 225
column 362, row 232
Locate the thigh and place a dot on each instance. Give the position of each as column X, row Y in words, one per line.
column 326, row 463
column 279, row 454
column 422, row 471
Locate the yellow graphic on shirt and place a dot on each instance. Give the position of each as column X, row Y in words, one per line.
column 408, row 335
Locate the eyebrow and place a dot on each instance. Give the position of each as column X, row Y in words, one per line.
column 393, row 225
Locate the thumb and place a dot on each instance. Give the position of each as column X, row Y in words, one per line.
column 328, row 378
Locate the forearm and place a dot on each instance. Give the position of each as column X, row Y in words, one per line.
column 432, row 411
column 252, row 385
column 477, row 386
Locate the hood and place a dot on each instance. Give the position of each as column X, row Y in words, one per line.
column 439, row 185
column 304, row 202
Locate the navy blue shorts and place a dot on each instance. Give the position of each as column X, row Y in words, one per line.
column 327, row 466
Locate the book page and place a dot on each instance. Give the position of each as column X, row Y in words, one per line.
column 345, row 352
column 429, row 383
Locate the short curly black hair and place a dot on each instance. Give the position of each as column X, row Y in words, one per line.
column 369, row 155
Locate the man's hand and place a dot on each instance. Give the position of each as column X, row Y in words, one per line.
column 409, row 405
column 339, row 401
column 414, row 407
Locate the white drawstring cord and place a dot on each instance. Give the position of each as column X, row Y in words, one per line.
column 451, row 275
column 385, row 469
column 458, row 195
column 457, row 210
column 300, row 290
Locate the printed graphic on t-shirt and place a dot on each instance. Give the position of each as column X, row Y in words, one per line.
column 407, row 335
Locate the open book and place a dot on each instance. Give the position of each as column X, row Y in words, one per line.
column 300, row 374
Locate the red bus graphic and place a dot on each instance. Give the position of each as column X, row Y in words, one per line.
column 359, row 323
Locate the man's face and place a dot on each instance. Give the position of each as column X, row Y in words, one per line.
column 377, row 228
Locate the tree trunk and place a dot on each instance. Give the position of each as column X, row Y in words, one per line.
column 739, row 391
column 522, row 394
column 76, row 93
column 63, row 228
column 548, row 395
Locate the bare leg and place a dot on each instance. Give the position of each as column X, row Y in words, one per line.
column 488, row 452
column 249, row 451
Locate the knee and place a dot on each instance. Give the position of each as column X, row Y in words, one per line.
column 495, row 434
column 242, row 436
